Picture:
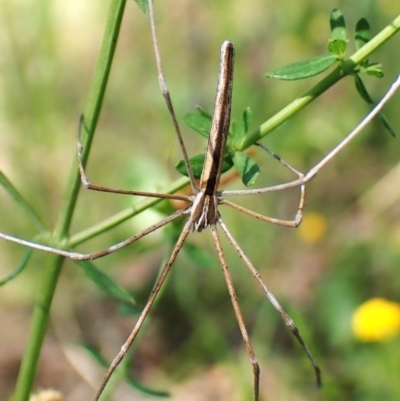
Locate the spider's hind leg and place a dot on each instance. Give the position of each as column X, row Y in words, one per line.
column 238, row 312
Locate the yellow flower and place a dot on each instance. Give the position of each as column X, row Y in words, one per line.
column 313, row 227
column 376, row 320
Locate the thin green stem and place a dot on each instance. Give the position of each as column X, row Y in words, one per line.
column 348, row 67
column 291, row 109
column 54, row 263
column 37, row 331
column 124, row 215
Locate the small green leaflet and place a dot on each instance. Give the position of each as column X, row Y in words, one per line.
column 20, row 268
column 362, row 90
column 374, row 70
column 386, row 124
column 239, row 129
column 338, row 25
column 204, row 113
column 104, row 282
column 128, row 310
column 143, row 5
column 246, row 167
column 144, row 389
column 362, row 34
column 199, row 122
column 338, row 47
column 95, row 354
column 22, row 203
column 304, row 69
column 197, row 163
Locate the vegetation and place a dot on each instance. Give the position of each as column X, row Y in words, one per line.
column 345, row 253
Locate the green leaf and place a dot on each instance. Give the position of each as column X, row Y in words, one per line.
column 128, row 310
column 199, row 122
column 338, row 25
column 362, row 90
column 197, row 163
column 95, row 354
column 22, row 203
column 143, row 5
column 104, row 282
column 246, row 167
column 337, row 46
column 362, row 34
column 374, row 71
column 204, row 113
column 19, row 268
column 304, row 69
column 144, row 389
column 239, row 129
column 386, row 124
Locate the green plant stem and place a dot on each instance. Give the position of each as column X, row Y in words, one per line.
column 54, row 263
column 292, row 108
column 124, row 215
column 338, row 73
column 37, row 331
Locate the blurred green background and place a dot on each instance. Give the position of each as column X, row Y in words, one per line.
column 192, row 345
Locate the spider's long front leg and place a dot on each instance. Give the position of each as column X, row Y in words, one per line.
column 156, row 289
column 165, row 92
column 316, row 169
column 238, row 312
column 98, row 254
column 100, row 188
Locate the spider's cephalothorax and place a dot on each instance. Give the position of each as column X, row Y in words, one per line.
column 204, row 211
